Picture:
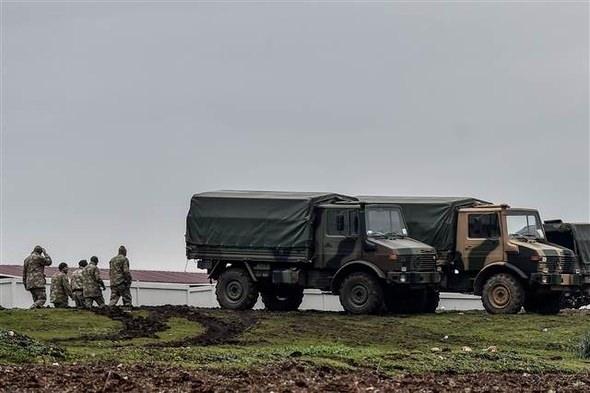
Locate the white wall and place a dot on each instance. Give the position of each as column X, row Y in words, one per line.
column 14, row 295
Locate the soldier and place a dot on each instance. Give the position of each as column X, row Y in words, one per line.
column 120, row 278
column 92, row 284
column 77, row 284
column 34, row 275
column 60, row 287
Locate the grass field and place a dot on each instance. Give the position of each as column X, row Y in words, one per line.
column 469, row 342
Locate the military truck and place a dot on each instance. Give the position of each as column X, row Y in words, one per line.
column 495, row 251
column 277, row 243
column 576, row 237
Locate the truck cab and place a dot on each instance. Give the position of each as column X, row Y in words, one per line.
column 576, row 237
column 373, row 237
column 503, row 254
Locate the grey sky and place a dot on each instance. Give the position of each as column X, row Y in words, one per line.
column 115, row 114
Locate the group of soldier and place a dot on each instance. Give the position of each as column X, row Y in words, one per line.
column 84, row 286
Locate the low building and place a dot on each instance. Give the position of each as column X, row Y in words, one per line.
column 149, row 287
column 155, row 288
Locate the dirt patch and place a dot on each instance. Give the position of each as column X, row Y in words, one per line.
column 133, row 326
column 217, row 331
column 289, row 376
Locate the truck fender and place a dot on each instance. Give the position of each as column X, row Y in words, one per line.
column 220, row 266
column 494, row 268
column 352, row 267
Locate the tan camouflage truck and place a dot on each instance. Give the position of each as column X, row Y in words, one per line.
column 576, row 237
column 276, row 244
column 495, row 251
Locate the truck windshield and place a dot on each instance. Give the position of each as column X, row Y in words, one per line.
column 385, row 221
column 524, row 224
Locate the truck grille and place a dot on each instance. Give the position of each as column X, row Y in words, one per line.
column 425, row 262
column 568, row 264
column 561, row 264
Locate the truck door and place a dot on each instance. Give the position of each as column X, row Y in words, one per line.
column 341, row 237
column 480, row 242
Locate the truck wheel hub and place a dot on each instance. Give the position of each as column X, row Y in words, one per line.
column 359, row 294
column 500, row 295
column 234, row 290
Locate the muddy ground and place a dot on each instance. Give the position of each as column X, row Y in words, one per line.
column 290, row 375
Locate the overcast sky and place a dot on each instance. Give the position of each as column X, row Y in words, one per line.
column 114, row 114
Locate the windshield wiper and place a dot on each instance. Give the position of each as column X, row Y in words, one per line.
column 526, row 236
column 395, row 235
column 375, row 233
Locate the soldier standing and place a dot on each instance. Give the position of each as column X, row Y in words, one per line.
column 120, row 277
column 34, row 275
column 60, row 287
column 92, row 284
column 77, row 284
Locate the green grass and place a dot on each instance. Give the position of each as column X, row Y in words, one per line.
column 390, row 344
column 48, row 324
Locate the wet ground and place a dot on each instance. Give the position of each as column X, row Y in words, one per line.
column 289, row 376
column 217, row 331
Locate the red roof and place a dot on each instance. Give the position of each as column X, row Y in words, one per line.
column 138, row 275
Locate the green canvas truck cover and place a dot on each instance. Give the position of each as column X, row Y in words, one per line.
column 431, row 220
column 265, row 225
column 575, row 236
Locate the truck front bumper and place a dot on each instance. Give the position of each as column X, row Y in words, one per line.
column 408, row 278
column 586, row 284
column 559, row 281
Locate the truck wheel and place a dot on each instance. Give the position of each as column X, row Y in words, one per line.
column 282, row 299
column 531, row 303
column 431, row 301
column 549, row 304
column 235, row 290
column 502, row 294
column 405, row 301
column 361, row 293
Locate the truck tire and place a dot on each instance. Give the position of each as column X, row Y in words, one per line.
column 502, row 294
column 431, row 301
column 235, row 290
column 549, row 304
column 282, row 299
column 361, row 293
column 531, row 303
column 405, row 301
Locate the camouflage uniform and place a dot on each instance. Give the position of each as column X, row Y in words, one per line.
column 77, row 285
column 60, row 290
column 120, row 280
column 92, row 284
column 34, row 275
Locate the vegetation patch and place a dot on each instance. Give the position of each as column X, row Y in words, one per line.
column 18, row 348
column 583, row 350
